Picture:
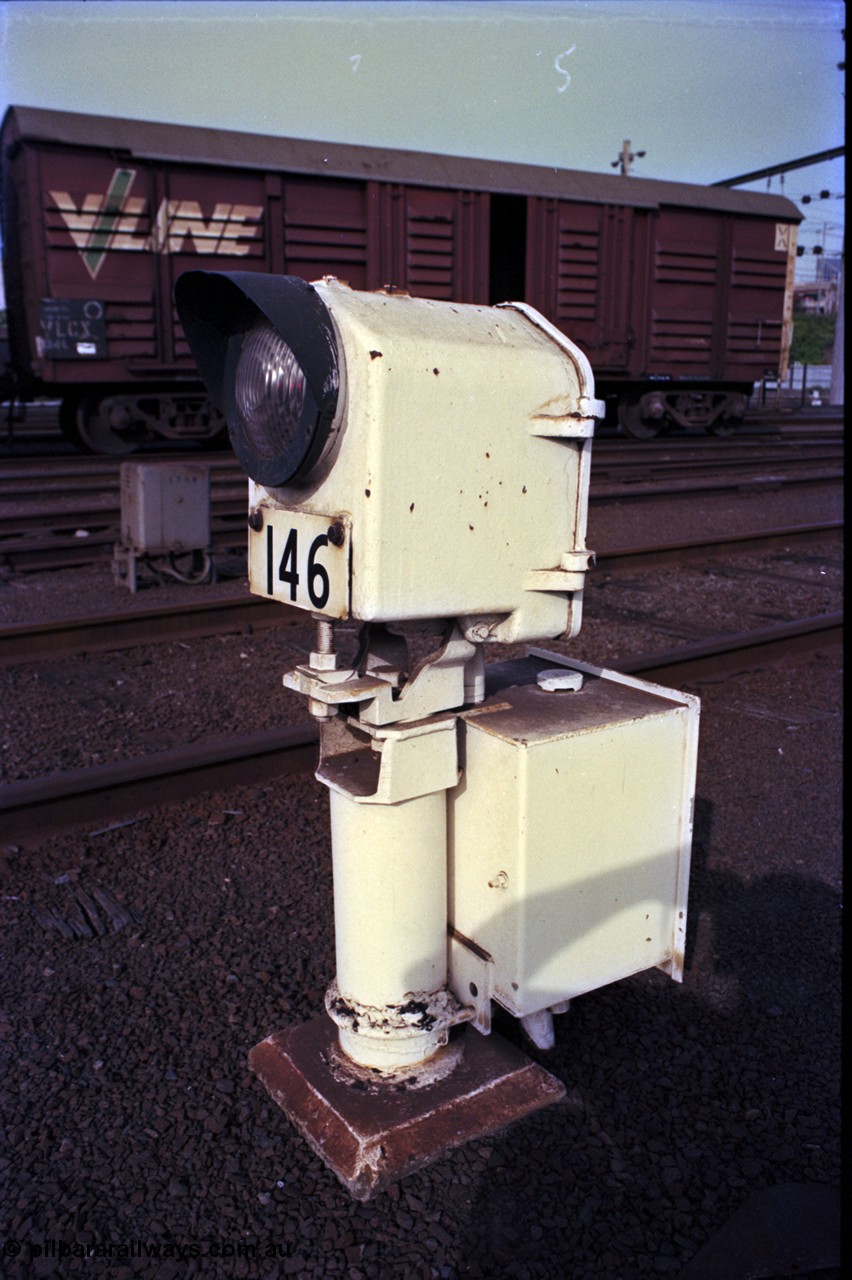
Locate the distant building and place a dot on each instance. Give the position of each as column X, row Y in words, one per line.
column 817, row 296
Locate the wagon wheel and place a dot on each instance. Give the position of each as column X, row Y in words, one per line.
column 633, row 423
column 98, row 435
column 68, row 421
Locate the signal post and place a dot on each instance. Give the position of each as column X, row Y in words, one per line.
column 515, row 832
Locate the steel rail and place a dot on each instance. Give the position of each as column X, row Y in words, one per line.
column 723, row 656
column 619, row 558
column 34, row 477
column 637, row 470
column 630, row 491
column 23, row 481
column 738, row 451
column 648, row 476
column 61, row 552
column 683, row 459
column 39, row 807
column 28, row 484
column 88, row 465
column 30, row 642
column 33, row 809
column 22, row 555
column 93, row 516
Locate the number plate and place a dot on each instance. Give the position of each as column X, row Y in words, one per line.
column 294, row 558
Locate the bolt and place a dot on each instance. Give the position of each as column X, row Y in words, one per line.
column 325, row 636
column 255, row 520
column 336, row 534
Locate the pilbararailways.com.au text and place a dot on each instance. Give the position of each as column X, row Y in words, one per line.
column 124, row 1250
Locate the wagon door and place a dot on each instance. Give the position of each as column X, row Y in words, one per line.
column 325, row 229
column 579, row 274
column 760, row 306
column 432, row 242
column 686, row 298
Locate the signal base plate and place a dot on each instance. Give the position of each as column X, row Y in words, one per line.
column 372, row 1137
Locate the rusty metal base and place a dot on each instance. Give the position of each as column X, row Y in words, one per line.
column 371, row 1137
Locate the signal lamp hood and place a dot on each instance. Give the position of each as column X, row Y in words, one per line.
column 266, row 348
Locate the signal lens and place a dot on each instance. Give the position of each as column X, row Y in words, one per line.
column 269, row 391
column 267, row 348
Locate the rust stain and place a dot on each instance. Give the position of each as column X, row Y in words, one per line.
column 487, row 710
column 417, row 1010
column 470, row 944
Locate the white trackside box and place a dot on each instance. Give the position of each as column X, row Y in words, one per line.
column 570, row 836
column 165, row 506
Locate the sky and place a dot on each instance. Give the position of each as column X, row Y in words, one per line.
column 708, row 89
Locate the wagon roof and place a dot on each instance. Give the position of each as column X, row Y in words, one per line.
column 195, row 144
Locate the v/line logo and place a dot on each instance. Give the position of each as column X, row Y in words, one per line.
column 104, row 223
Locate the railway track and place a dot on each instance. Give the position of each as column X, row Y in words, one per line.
column 692, row 460
column 639, row 487
column 35, row 423
column 32, row 480
column 63, row 550
column 28, row 479
column 69, row 516
column 109, row 793
column 62, row 512
column 676, row 553
column 26, row 642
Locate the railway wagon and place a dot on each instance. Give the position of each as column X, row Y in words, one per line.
column 680, row 295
